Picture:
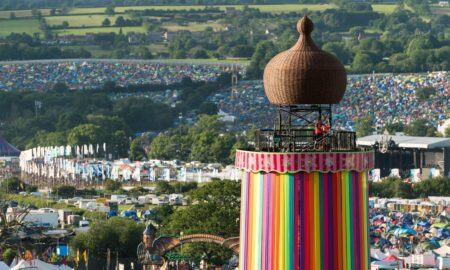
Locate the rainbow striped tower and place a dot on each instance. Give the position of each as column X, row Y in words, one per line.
column 304, row 211
column 304, row 202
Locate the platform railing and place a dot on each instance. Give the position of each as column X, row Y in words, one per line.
column 304, row 140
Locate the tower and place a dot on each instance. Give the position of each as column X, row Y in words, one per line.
column 304, row 202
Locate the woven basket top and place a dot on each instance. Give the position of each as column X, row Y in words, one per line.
column 305, row 74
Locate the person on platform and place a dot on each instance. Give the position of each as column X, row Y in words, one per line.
column 326, row 128
column 318, row 129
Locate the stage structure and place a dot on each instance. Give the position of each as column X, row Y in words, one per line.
column 304, row 202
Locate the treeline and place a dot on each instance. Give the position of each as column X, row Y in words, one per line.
column 28, row 4
column 91, row 117
column 392, row 187
column 206, row 141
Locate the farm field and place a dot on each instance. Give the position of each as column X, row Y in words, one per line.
column 80, row 20
column 5, row 14
column 83, row 31
column 384, row 8
column 29, row 26
column 440, row 10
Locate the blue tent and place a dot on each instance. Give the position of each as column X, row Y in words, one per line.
column 7, row 150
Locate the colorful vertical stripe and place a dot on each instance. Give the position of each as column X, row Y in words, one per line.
column 304, row 220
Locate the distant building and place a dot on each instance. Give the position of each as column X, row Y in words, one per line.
column 155, row 37
column 136, row 39
column 231, row 10
column 443, row 3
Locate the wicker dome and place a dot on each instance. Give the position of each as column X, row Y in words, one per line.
column 304, row 74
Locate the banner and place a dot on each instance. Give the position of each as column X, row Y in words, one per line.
column 395, row 173
column 376, row 175
column 415, row 175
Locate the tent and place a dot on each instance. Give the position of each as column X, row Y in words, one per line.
column 390, row 258
column 3, row 266
column 443, row 251
column 34, row 265
column 7, row 150
column 64, row 267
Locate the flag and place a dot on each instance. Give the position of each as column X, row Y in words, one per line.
column 151, row 175
column 77, row 259
column 167, row 174
column 86, row 258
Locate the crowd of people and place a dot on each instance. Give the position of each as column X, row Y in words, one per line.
column 92, row 74
column 386, row 97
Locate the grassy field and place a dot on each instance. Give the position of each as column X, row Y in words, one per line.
column 83, row 31
column 440, row 10
column 4, row 14
column 29, row 26
column 384, row 8
column 80, row 20
column 193, row 26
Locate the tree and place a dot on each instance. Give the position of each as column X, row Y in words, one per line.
column 137, row 151
column 60, row 87
column 420, row 127
column 106, row 22
column 198, row 53
column 447, row 132
column 425, row 93
column 120, row 143
column 65, row 191
column 208, row 108
column 8, row 255
column 68, row 120
column 161, row 214
column 110, row 11
column 242, row 51
column 112, row 186
column 362, row 63
column 421, row 43
column 15, row 185
column 393, row 127
column 340, row 50
column 264, row 51
column 439, row 186
column 143, row 52
column 163, row 187
column 120, row 21
column 116, row 233
column 216, row 212
column 85, row 134
column 65, row 24
column 364, row 126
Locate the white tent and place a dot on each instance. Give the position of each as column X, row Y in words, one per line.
column 64, row 267
column 34, row 265
column 443, row 251
column 3, row 266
